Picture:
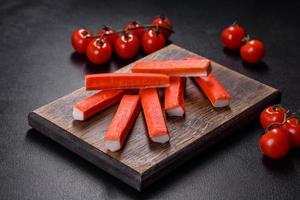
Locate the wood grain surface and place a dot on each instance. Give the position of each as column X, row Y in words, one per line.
column 141, row 162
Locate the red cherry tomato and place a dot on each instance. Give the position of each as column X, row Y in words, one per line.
column 164, row 22
column 98, row 51
column 232, row 36
column 253, row 51
column 292, row 126
column 112, row 35
column 139, row 32
column 275, row 143
column 153, row 41
column 272, row 114
column 127, row 45
column 80, row 40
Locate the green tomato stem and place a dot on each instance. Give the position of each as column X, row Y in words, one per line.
column 157, row 27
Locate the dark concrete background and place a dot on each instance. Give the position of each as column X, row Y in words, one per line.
column 38, row 65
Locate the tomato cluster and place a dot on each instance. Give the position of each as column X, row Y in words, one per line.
column 125, row 43
column 234, row 37
column 282, row 131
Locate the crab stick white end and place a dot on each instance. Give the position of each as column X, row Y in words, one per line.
column 113, row 145
column 174, row 97
column 160, row 139
column 77, row 114
column 122, row 122
column 155, row 121
column 204, row 73
column 220, row 103
column 99, row 101
column 175, row 112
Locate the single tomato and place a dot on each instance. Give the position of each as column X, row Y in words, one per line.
column 99, row 51
column 232, row 36
column 272, row 114
column 127, row 45
column 80, row 39
column 275, row 143
column 152, row 41
column 138, row 30
column 253, row 51
column 164, row 22
column 111, row 36
column 292, row 126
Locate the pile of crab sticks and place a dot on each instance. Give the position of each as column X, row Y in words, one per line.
column 141, row 86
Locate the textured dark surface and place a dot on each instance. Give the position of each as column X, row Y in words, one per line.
column 37, row 66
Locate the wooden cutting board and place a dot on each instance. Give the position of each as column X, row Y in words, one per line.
column 141, row 162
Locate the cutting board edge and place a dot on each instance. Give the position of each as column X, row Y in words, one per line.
column 85, row 150
column 130, row 176
column 138, row 179
column 165, row 166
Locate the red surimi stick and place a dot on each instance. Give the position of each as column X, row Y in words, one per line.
column 213, row 89
column 174, row 67
column 122, row 122
column 125, row 81
column 99, row 101
column 174, row 96
column 156, row 124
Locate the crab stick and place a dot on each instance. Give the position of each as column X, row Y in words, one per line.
column 174, row 96
column 125, row 81
column 174, row 67
column 122, row 122
column 213, row 89
column 156, row 124
column 96, row 103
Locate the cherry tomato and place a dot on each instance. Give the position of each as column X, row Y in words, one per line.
column 152, row 41
column 127, row 45
column 112, row 35
column 99, row 51
column 232, row 36
column 253, row 51
column 164, row 22
column 80, row 39
column 139, row 32
column 275, row 143
column 292, row 126
column 272, row 114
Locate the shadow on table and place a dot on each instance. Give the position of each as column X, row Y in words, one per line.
column 162, row 184
column 235, row 54
column 115, row 63
column 78, row 59
column 283, row 165
column 50, row 146
column 259, row 67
